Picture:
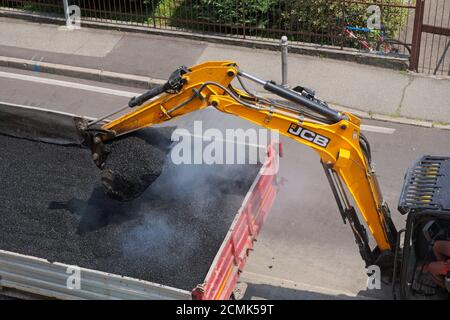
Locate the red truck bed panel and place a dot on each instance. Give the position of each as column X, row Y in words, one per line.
column 232, row 256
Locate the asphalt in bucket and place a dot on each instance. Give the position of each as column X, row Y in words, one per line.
column 134, row 162
column 53, row 206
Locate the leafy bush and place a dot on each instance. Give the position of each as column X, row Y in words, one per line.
column 303, row 20
column 233, row 14
column 326, row 16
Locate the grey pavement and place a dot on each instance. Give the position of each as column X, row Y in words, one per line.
column 346, row 84
column 304, row 250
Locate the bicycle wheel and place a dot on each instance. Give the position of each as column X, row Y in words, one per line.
column 385, row 47
column 398, row 43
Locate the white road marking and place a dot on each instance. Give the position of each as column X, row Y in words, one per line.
column 43, row 109
column 128, row 94
column 68, row 84
column 385, row 130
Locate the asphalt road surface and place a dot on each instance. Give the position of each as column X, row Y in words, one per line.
column 304, row 250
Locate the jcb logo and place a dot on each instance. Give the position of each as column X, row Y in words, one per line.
column 308, row 135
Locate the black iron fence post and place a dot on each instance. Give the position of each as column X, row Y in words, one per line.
column 153, row 13
column 243, row 17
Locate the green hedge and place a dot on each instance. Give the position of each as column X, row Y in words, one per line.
column 324, row 15
column 232, row 14
column 321, row 17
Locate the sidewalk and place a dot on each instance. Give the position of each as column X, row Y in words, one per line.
column 369, row 89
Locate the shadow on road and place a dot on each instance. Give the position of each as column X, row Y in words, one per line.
column 266, row 291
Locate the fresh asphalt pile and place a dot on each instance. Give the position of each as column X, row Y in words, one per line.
column 53, row 206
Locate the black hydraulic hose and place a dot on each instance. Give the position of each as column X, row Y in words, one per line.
column 365, row 146
column 153, row 92
column 290, row 95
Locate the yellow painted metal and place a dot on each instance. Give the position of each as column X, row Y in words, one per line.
column 156, row 111
column 343, row 151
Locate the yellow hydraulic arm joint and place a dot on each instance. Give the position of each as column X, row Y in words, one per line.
column 169, row 106
column 335, row 136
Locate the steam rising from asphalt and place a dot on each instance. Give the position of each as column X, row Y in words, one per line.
column 186, row 206
column 178, row 218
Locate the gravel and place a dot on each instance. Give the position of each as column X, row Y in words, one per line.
column 52, row 205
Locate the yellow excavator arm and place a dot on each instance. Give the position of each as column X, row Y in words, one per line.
column 335, row 136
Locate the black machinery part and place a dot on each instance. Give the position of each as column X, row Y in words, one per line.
column 426, row 186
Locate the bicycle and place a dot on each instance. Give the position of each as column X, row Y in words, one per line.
column 381, row 42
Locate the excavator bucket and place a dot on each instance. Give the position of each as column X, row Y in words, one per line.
column 129, row 163
column 134, row 162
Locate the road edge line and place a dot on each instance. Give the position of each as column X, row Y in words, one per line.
column 256, row 278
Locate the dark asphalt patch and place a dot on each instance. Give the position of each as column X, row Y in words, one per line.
column 52, row 206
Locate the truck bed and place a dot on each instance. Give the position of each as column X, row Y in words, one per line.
column 179, row 233
column 52, row 206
